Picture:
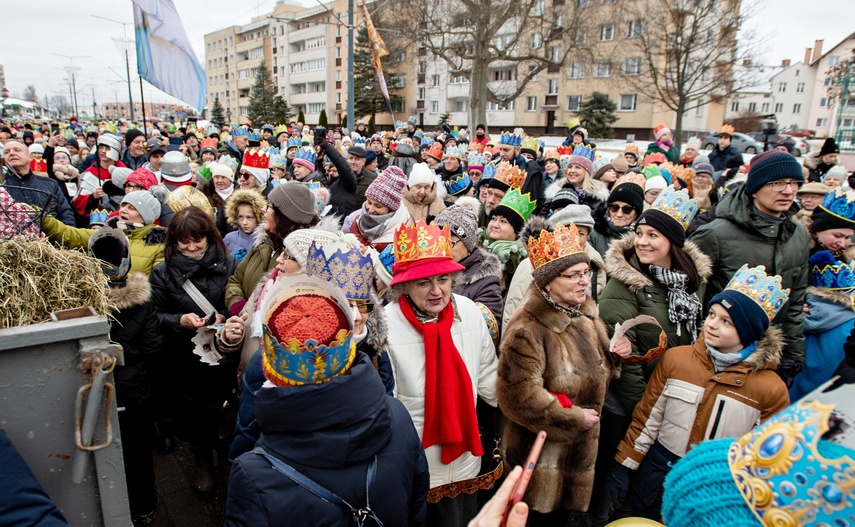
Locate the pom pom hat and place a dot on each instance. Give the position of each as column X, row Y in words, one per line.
column 422, row 251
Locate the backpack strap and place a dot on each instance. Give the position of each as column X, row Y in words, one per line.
column 360, row 515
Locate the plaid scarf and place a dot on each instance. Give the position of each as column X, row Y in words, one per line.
column 682, row 305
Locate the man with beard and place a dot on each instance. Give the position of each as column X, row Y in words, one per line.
column 481, row 137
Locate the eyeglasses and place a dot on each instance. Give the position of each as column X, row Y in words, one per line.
column 779, row 186
column 363, row 306
column 626, row 209
column 133, row 186
column 575, row 278
column 454, row 243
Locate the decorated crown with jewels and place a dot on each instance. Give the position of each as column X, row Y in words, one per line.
column 530, row 143
column 827, row 272
column 306, row 153
column 420, row 241
column 345, row 267
column 294, row 142
column 677, row 204
column 840, row 203
column 281, row 129
column 763, row 290
column 253, row 158
column 510, row 138
column 458, row 185
column 475, row 160
column 631, row 177
column 551, row 246
column 98, row 217
column 511, row 175
column 453, row 151
column 783, row 476
column 519, row 203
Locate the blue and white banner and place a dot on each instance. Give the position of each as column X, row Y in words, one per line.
column 165, row 57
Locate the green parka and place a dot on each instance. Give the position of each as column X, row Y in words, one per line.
column 631, row 292
column 672, row 155
column 260, row 259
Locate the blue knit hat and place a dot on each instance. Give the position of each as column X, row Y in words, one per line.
column 748, row 318
column 772, row 166
column 752, row 299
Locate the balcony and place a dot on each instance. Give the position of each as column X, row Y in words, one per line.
column 458, row 90
column 421, row 78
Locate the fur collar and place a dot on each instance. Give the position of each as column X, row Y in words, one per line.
column 550, row 317
column 490, row 266
column 601, row 192
column 533, row 227
column 135, row 292
column 622, row 270
column 767, row 356
column 835, row 297
column 378, row 328
column 812, row 160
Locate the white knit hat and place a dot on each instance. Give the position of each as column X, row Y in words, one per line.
column 298, row 242
column 420, row 174
column 656, row 183
column 224, row 170
column 261, row 174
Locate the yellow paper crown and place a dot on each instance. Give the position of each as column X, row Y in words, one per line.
column 631, row 177
column 414, row 242
column 282, row 128
column 551, row 246
column 726, row 129
column 511, row 175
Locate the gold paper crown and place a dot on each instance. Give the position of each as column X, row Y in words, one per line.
column 421, row 241
column 631, row 177
column 551, row 246
column 282, row 128
column 511, row 175
column 631, row 148
column 726, row 129
column 763, row 289
column 552, row 153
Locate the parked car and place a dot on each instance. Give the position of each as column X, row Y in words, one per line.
column 798, row 132
column 742, row 142
column 801, row 146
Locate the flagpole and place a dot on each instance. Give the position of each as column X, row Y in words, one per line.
column 142, row 98
column 350, row 96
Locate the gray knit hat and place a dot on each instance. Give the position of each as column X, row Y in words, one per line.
column 578, row 214
column 146, row 204
column 462, row 217
column 548, row 272
column 294, row 200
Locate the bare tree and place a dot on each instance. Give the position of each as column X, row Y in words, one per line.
column 476, row 38
column 30, row 94
column 842, row 86
column 686, row 53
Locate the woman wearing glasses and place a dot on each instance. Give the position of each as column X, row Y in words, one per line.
column 554, row 370
column 623, row 206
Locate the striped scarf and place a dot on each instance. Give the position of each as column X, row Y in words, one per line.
column 683, row 307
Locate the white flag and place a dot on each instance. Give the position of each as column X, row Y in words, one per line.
column 165, row 57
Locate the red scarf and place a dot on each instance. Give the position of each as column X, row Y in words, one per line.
column 450, row 418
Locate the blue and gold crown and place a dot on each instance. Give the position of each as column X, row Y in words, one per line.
column 489, row 171
column 238, row 132
column 785, row 479
column 230, row 161
column 278, row 160
column 300, row 361
column 293, row 142
column 584, row 151
column 458, row 185
column 510, row 138
column 427, row 142
column 400, row 124
column 475, row 160
column 840, row 203
column 306, row 154
column 763, row 290
column 98, row 217
column 677, row 204
column 827, row 272
column 345, row 267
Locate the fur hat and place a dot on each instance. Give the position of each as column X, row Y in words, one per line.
column 293, row 200
column 145, row 203
column 245, row 197
column 387, row 188
column 462, row 217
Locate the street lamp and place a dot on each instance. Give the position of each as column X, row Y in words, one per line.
column 71, row 71
column 127, row 60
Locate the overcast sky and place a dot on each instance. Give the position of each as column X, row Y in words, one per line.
column 33, row 30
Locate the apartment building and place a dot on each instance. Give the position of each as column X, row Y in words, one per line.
column 826, row 117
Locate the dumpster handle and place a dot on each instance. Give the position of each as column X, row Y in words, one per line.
column 101, row 366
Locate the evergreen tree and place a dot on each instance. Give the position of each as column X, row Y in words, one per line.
column 372, row 126
column 281, row 110
column 301, row 118
column 322, row 119
column 366, row 87
column 443, row 118
column 261, row 96
column 597, row 115
column 218, row 115
column 344, row 120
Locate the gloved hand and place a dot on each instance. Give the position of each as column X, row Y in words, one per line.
column 787, row 371
column 619, row 485
column 65, row 172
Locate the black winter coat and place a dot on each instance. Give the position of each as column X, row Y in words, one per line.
column 718, row 158
column 330, row 432
column 481, row 280
column 342, row 188
column 18, row 188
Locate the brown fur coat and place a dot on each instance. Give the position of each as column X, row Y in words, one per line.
column 546, row 350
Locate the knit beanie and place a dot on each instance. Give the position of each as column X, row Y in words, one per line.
column 837, row 172
column 661, row 130
column 578, row 214
column 563, row 198
column 771, row 166
column 293, row 200
column 748, row 318
column 829, row 147
column 516, row 221
column 656, row 183
column 132, row 134
column 548, row 272
column 420, row 174
column 620, row 164
column 142, row 177
column 119, row 175
column 705, row 168
column 583, row 162
column 835, row 211
column 462, row 217
column 665, row 224
column 386, row 189
column 629, row 193
column 146, row 204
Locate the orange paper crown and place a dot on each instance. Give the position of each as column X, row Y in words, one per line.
column 565, row 150
column 478, row 147
column 511, row 175
column 212, row 143
column 253, row 158
column 631, row 177
column 421, row 241
column 551, row 246
column 631, row 148
column 435, row 151
column 726, row 129
column 38, row 166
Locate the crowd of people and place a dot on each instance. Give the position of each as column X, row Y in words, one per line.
column 346, row 326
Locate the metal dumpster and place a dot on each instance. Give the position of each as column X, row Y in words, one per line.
column 45, row 402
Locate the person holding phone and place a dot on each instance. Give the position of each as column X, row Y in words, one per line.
column 554, row 370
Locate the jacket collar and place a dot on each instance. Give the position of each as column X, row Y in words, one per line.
column 555, row 320
column 135, row 292
column 622, row 263
column 765, row 357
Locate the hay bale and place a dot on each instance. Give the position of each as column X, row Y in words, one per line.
column 36, row 279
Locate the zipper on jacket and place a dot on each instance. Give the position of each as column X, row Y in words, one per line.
column 717, row 419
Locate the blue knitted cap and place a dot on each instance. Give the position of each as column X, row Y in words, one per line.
column 772, row 166
column 749, row 318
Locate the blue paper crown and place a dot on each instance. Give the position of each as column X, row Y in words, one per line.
column 509, row 138
column 359, row 141
column 840, row 203
column 474, row 158
column 387, row 258
column 826, row 271
column 584, row 151
column 412, row 120
column 98, row 217
column 293, row 142
column 427, row 142
column 400, row 124
column 349, row 270
column 458, row 185
column 489, row 171
column 784, row 478
column 307, row 154
column 763, row 290
column 453, row 151
column 278, row 160
column 677, row 204
column 320, row 200
column 273, row 151
column 238, row 132
column 230, row 161
column 418, row 134
column 253, row 136
column 268, row 127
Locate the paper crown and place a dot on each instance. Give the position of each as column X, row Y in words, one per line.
column 783, row 476
column 631, row 148
column 453, row 151
column 510, row 138
column 655, row 157
column 412, row 120
column 489, row 171
column 458, row 185
column 511, row 175
column 38, row 166
column 306, row 153
column 839, row 203
column 427, row 142
column 253, row 158
column 530, row 143
column 827, row 272
column 229, row 161
column 631, row 177
column 204, row 172
column 584, row 151
column 279, row 161
column 271, row 151
column 573, row 122
column 208, row 143
column 322, row 197
column 553, row 154
column 253, row 137
column 490, row 321
column 420, row 241
column 475, row 161
column 281, row 129
column 400, row 124
column 345, row 267
column 436, row 151
column 726, row 130
column 98, row 217
column 519, row 203
column 677, row 204
column 551, row 246
column 308, row 337
column 238, row 132
column 293, row 142
column 565, row 151
column 268, row 127
column 763, row 290
column 358, row 141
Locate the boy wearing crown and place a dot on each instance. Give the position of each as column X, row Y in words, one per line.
column 720, row 386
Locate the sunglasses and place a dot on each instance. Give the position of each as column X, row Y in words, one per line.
column 626, row 209
column 363, row 307
column 245, row 175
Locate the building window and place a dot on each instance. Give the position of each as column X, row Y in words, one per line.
column 833, row 60
column 434, row 81
column 779, row 107
column 458, row 79
column 734, row 106
column 537, row 9
column 459, row 106
column 555, row 53
column 576, row 71
column 315, row 43
column 627, row 102
column 434, row 106
column 536, row 41
column 632, row 66
column 800, row 87
column 315, row 65
column 552, row 88
column 317, row 107
column 422, row 94
column 338, row 97
column 636, row 28
column 821, row 123
column 765, row 107
column 338, row 52
column 493, row 106
column 752, row 107
column 243, row 74
column 823, row 102
column 580, row 36
column 505, row 75
column 607, row 32
column 298, row 67
column 338, row 75
column 256, row 53
column 782, row 87
column 559, row 20
column 574, row 103
column 531, row 104
column 797, row 108
column 602, row 68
